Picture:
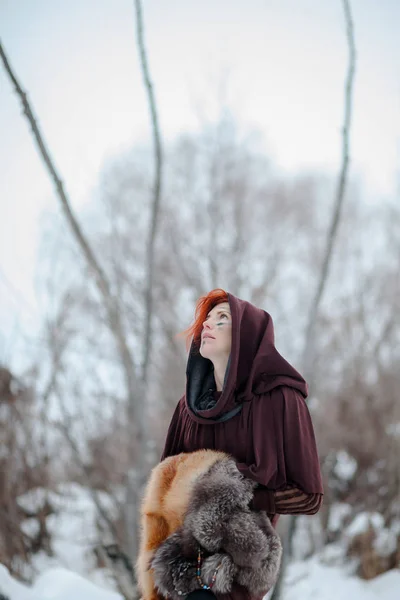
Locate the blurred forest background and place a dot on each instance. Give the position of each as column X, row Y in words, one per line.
column 90, row 378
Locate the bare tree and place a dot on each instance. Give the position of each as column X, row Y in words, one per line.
column 158, row 156
column 135, row 386
column 309, row 349
column 309, row 346
column 23, row 465
column 110, row 303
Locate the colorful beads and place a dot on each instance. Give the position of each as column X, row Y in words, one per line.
column 198, row 576
column 199, row 579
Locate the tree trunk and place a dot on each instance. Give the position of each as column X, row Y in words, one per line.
column 310, row 337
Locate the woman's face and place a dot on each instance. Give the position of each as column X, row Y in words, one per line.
column 216, row 337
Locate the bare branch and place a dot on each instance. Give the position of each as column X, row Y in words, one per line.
column 309, row 349
column 124, row 574
column 100, row 277
column 111, row 305
column 156, row 193
column 66, row 430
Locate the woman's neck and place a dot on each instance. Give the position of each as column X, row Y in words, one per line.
column 219, row 372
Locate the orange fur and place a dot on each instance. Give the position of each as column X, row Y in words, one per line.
column 164, row 507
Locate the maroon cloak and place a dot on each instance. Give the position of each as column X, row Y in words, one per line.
column 271, row 435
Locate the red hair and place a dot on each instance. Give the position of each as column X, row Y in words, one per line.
column 203, row 306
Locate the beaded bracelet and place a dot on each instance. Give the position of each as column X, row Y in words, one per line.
column 198, row 576
column 199, row 579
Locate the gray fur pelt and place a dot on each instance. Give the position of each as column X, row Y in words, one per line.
column 219, row 520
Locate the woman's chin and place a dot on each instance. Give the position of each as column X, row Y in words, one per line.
column 205, row 354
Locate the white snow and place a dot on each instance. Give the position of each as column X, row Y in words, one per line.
column 305, row 580
column 346, row 466
column 13, row 589
column 30, row 527
column 311, row 579
column 60, row 584
column 335, row 555
column 72, row 527
column 73, row 573
column 385, row 542
column 54, row 584
column 338, row 513
column 363, row 521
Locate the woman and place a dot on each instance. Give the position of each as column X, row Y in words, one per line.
column 243, row 398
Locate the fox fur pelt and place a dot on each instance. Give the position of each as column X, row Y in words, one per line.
column 200, row 499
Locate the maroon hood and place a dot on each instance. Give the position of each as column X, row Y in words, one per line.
column 255, row 367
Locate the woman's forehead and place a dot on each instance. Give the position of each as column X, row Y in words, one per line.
column 219, row 307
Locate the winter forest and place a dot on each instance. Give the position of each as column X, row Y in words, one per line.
column 154, row 151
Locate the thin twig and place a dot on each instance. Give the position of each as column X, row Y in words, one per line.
column 65, row 427
column 100, row 276
column 44, row 152
column 309, row 346
column 110, row 304
column 340, row 193
column 158, row 155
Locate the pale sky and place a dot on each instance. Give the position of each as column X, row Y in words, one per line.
column 280, row 66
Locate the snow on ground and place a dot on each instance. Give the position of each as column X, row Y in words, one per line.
column 72, row 572
column 13, row 589
column 363, row 521
column 54, row 584
column 306, row 580
column 312, row 580
column 72, row 527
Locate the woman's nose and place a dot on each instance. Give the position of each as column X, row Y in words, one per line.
column 206, row 325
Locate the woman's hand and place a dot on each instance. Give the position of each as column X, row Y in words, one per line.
column 225, row 574
column 174, row 574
